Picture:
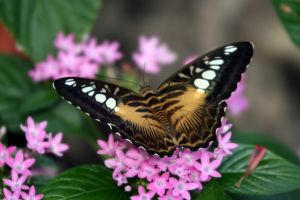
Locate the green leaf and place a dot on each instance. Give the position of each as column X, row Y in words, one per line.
column 289, row 14
column 15, row 87
column 212, row 191
column 84, row 183
column 40, row 99
column 35, row 23
column 270, row 143
column 66, row 118
column 272, row 176
column 293, row 195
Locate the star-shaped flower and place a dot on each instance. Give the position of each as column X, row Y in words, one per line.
column 31, row 195
column 181, row 188
column 56, row 146
column 159, row 184
column 21, row 165
column 11, row 195
column 16, row 183
column 143, row 195
column 207, row 168
column 5, row 153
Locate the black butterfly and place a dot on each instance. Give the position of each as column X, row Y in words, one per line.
column 184, row 111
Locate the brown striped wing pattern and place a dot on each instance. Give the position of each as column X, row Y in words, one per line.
column 184, row 111
column 193, row 97
column 125, row 112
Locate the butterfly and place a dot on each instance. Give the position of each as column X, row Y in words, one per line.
column 184, row 111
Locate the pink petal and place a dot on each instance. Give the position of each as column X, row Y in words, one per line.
column 215, row 174
column 43, row 124
column 232, row 146
column 227, row 137
column 19, row 156
column 191, row 186
column 29, row 162
column 141, row 190
column 102, row 144
column 204, row 158
column 215, row 164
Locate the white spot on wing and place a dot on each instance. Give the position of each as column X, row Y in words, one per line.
column 116, row 90
column 111, row 103
column 201, row 83
column 100, row 98
column 209, row 75
column 230, row 49
column 197, row 70
column 87, row 89
column 216, row 62
column 216, row 67
column 117, row 109
column 182, row 75
column 70, row 82
column 91, row 93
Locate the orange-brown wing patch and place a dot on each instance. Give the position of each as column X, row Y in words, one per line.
column 192, row 118
column 145, row 131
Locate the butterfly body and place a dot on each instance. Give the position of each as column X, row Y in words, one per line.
column 183, row 112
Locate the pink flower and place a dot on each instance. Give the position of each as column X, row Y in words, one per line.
column 16, row 183
column 47, row 69
column 55, row 145
column 109, row 147
column 34, row 129
column 5, row 153
column 147, row 171
column 87, row 69
column 238, row 103
column 35, row 135
column 224, row 143
column 152, row 55
column 170, row 196
column 207, row 168
column 188, row 157
column 92, row 50
column 160, row 184
column 183, row 171
column 65, row 42
column 11, row 196
column 109, row 52
column 37, row 143
column 143, row 195
column 69, row 60
column 31, row 195
column 180, row 187
column 20, row 165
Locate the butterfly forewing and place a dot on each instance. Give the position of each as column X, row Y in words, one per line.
column 194, row 96
column 124, row 111
column 185, row 111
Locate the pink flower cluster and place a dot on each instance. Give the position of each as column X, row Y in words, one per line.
column 168, row 177
column 38, row 141
column 152, row 55
column 76, row 59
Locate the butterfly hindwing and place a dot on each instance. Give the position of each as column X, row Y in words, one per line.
column 123, row 110
column 194, row 96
